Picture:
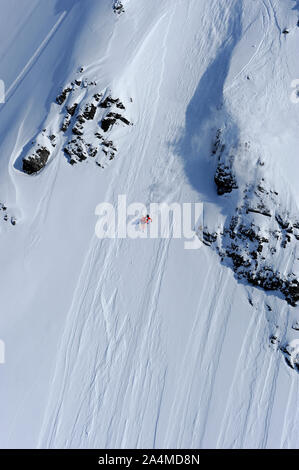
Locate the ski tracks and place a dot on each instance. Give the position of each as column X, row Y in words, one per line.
column 34, row 57
column 115, row 370
column 261, row 46
column 249, row 406
column 192, row 399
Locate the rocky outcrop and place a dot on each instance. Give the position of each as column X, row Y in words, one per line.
column 35, row 162
column 82, row 112
column 4, row 214
column 77, row 150
column 60, row 99
column 88, row 141
column 118, row 7
column 224, row 178
column 251, row 239
column 111, row 118
column 291, row 354
column 108, row 102
column 250, row 249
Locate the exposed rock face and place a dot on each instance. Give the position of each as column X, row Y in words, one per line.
column 37, row 161
column 217, row 144
column 109, row 101
column 111, row 119
column 250, row 250
column 78, row 150
column 86, row 124
column 118, row 7
column 63, row 95
column 89, row 111
column 80, row 116
column 251, row 239
column 224, row 179
column 291, row 353
column 72, row 109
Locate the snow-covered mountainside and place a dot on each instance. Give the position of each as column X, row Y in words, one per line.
column 121, row 342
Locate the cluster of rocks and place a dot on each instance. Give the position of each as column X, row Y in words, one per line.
column 291, row 354
column 60, row 99
column 89, row 140
column 118, row 7
column 247, row 264
column 6, row 216
column 250, row 239
column 224, row 178
column 111, row 119
column 36, row 161
column 85, row 122
column 290, row 349
column 274, row 339
column 250, row 249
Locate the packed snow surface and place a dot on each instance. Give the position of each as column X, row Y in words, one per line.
column 138, row 342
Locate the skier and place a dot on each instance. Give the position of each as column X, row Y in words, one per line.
column 146, row 220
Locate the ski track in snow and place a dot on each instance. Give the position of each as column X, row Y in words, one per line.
column 119, row 351
column 260, row 49
column 112, row 379
column 91, row 293
column 34, row 57
column 203, row 358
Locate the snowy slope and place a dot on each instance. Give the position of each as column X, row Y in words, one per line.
column 140, row 343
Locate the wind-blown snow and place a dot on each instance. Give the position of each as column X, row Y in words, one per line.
column 140, row 343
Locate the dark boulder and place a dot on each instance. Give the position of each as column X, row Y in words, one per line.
column 60, row 99
column 89, row 111
column 37, row 161
column 111, row 119
column 224, row 179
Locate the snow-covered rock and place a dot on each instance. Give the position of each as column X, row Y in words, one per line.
column 291, row 351
column 85, row 111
